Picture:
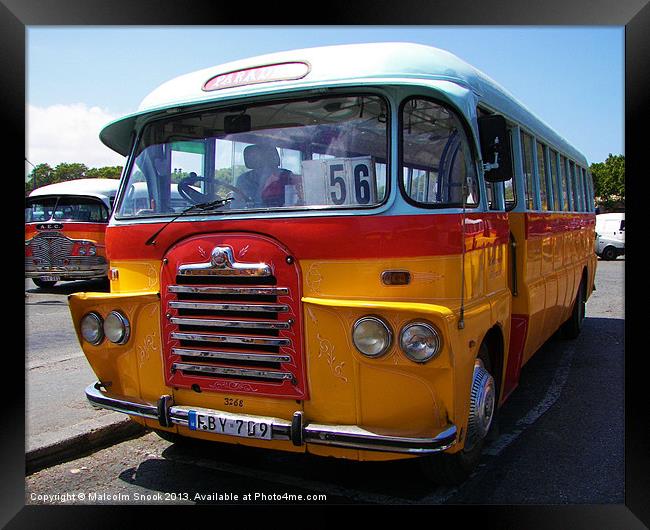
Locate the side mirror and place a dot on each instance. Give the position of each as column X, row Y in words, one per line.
column 495, row 148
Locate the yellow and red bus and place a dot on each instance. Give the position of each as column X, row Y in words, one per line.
column 371, row 251
column 64, row 230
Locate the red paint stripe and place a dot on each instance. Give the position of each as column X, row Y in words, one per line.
column 518, row 331
column 541, row 224
column 30, row 228
column 328, row 237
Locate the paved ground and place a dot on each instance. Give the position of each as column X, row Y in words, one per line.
column 56, row 370
column 561, row 442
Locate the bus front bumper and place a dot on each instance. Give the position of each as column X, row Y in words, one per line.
column 69, row 272
column 297, row 430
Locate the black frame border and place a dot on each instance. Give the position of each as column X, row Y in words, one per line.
column 15, row 15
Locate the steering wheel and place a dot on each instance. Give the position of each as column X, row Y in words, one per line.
column 193, row 196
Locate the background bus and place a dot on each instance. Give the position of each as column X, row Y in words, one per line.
column 65, row 225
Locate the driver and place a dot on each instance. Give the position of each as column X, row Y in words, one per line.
column 264, row 183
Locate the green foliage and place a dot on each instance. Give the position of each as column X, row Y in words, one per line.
column 107, row 172
column 44, row 174
column 609, row 181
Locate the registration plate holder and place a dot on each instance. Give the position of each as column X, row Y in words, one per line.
column 230, row 425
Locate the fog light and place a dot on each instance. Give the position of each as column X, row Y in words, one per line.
column 91, row 328
column 116, row 328
column 420, row 341
column 371, row 336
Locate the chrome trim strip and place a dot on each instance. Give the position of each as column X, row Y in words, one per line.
column 222, row 263
column 127, row 405
column 244, row 291
column 211, row 306
column 216, row 323
column 270, row 358
column 347, row 436
column 241, row 372
column 352, row 436
column 231, row 339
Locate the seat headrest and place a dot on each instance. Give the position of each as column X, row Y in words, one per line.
column 259, row 156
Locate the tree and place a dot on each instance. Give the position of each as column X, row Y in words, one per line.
column 609, row 181
column 107, row 172
column 69, row 171
column 43, row 174
column 40, row 176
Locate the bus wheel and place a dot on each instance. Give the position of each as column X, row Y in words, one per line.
column 572, row 327
column 43, row 284
column 609, row 254
column 453, row 469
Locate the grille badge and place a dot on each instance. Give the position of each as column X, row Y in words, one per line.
column 223, row 263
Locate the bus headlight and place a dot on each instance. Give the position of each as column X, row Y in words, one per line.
column 420, row 341
column 371, row 336
column 117, row 328
column 92, row 329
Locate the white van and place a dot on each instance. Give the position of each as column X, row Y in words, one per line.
column 610, row 235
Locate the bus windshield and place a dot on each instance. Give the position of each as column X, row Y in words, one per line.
column 79, row 209
column 328, row 152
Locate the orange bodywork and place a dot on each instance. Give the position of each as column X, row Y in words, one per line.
column 390, row 395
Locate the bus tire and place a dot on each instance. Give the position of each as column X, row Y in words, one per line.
column 609, row 253
column 43, row 284
column 572, row 327
column 453, row 469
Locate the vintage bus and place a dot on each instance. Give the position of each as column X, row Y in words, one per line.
column 380, row 237
column 64, row 230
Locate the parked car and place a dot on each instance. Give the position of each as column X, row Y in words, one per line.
column 610, row 235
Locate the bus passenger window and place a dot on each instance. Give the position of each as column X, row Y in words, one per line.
column 554, row 181
column 574, row 187
column 541, row 171
column 437, row 164
column 566, row 188
column 527, row 160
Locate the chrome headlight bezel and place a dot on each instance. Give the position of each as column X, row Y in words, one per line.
column 436, row 338
column 381, row 326
column 122, row 326
column 98, row 322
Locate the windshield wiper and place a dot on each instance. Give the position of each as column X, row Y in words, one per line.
column 203, row 207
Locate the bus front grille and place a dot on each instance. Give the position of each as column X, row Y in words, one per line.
column 234, row 327
column 50, row 250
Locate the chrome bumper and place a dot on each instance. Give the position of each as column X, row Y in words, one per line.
column 296, row 430
column 71, row 272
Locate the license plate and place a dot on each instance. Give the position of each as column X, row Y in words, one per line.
column 221, row 424
column 51, row 278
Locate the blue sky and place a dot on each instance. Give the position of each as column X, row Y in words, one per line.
column 79, row 78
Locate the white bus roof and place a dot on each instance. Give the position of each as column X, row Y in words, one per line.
column 342, row 65
column 98, row 187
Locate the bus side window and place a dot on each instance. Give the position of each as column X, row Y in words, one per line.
column 510, row 193
column 555, row 185
column 527, row 161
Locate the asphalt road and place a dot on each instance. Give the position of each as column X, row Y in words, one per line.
column 56, row 370
column 560, row 442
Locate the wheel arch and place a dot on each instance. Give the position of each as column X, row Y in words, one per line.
column 495, row 343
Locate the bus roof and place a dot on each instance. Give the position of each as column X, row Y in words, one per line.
column 102, row 188
column 341, row 65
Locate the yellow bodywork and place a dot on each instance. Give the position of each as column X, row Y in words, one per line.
column 389, row 395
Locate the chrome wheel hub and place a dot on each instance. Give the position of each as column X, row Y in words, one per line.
column 481, row 407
